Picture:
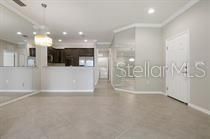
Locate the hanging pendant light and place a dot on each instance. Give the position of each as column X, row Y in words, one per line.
column 42, row 39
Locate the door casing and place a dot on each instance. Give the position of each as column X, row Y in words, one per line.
column 187, row 32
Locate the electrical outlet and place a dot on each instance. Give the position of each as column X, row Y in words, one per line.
column 7, row 81
column 23, row 84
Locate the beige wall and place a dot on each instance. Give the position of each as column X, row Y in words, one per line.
column 197, row 22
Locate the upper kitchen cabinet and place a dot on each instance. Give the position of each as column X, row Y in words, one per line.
column 68, row 56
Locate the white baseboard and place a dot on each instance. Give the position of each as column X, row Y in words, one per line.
column 16, row 91
column 67, row 91
column 19, row 98
column 140, row 92
column 199, row 108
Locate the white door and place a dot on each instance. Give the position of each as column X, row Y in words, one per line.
column 177, row 59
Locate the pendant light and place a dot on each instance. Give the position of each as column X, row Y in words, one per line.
column 42, row 39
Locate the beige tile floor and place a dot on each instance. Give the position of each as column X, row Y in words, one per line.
column 105, row 115
column 4, row 97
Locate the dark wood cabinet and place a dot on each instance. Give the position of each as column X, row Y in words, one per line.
column 69, row 56
column 50, row 55
column 55, row 55
column 59, row 56
column 32, row 52
column 86, row 52
column 72, row 55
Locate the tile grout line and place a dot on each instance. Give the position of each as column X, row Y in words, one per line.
column 19, row 98
column 118, row 136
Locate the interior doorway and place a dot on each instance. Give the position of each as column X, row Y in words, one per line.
column 103, row 63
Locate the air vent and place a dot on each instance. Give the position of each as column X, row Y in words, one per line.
column 20, row 3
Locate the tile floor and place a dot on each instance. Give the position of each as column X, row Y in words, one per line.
column 106, row 114
column 4, row 97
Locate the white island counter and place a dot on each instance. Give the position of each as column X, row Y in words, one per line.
column 68, row 79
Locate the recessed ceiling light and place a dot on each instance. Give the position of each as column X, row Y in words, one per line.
column 60, row 40
column 34, row 33
column 151, row 11
column 85, row 40
column 19, row 33
column 65, row 33
column 48, row 33
column 80, row 33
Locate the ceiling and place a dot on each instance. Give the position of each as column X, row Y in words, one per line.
column 96, row 18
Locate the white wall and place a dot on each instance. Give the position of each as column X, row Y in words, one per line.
column 124, row 39
column 149, row 47
column 36, row 79
column 197, row 21
column 209, row 48
column 68, row 79
column 15, row 79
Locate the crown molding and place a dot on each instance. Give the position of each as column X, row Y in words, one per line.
column 11, row 8
column 124, row 28
column 103, row 43
column 180, row 12
column 145, row 25
column 168, row 20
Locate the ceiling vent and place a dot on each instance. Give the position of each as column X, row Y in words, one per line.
column 20, row 3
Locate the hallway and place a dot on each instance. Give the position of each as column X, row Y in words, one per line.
column 105, row 115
